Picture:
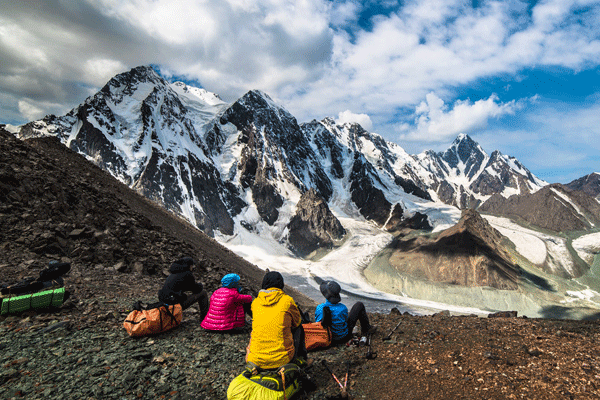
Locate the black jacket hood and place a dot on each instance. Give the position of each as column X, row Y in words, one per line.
column 182, row 265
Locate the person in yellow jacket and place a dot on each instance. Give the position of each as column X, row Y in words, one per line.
column 277, row 337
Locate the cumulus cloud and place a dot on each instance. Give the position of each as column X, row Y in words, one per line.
column 362, row 119
column 228, row 46
column 437, row 45
column 317, row 57
column 30, row 111
column 436, row 122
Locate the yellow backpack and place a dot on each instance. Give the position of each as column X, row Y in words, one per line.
column 258, row 384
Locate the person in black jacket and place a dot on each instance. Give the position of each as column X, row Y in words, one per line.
column 180, row 281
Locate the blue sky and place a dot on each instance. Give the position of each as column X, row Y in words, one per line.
column 521, row 77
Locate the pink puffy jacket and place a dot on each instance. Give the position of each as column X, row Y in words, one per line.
column 226, row 310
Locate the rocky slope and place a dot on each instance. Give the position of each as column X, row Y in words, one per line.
column 471, row 253
column 589, row 184
column 555, row 208
column 56, row 205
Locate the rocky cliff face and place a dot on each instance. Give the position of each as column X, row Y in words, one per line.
column 313, row 226
column 471, row 253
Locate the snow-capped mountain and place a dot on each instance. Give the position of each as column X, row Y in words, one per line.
column 465, row 175
column 226, row 167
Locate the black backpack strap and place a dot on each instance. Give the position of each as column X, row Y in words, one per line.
column 137, row 306
column 170, row 314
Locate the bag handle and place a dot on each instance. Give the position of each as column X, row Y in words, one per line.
column 282, row 373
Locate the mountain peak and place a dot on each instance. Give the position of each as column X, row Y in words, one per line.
column 589, row 184
column 461, row 137
column 464, row 150
column 464, row 141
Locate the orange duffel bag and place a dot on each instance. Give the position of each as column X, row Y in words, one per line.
column 316, row 336
column 142, row 322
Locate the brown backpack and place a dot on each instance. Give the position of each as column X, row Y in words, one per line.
column 316, row 336
column 152, row 321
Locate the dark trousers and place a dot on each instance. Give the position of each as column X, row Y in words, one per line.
column 357, row 313
column 248, row 309
column 202, row 300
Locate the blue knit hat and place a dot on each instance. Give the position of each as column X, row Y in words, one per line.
column 230, row 280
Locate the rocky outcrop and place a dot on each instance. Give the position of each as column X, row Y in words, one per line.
column 589, row 184
column 471, row 253
column 554, row 207
column 313, row 226
column 369, row 199
column 399, row 223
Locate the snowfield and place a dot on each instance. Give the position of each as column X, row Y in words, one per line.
column 528, row 243
column 587, row 246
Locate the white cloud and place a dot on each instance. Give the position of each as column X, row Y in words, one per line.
column 313, row 55
column 435, row 122
column 362, row 119
column 102, row 70
column 232, row 46
column 437, row 45
column 30, row 111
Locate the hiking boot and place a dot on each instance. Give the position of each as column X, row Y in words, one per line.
column 362, row 341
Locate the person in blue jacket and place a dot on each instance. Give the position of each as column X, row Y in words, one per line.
column 335, row 314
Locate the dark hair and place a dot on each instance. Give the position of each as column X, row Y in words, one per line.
column 272, row 279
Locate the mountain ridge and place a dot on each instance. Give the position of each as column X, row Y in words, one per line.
column 226, row 167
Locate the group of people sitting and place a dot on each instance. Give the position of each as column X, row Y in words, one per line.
column 277, row 336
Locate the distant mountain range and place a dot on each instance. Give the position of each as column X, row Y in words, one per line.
column 246, row 165
column 249, row 168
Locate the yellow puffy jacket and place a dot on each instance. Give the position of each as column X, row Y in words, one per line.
column 274, row 314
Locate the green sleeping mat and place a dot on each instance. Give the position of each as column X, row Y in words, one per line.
column 17, row 304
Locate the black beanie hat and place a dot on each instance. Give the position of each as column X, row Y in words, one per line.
column 182, row 264
column 331, row 291
column 272, row 279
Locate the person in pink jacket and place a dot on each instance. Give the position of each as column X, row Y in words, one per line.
column 227, row 305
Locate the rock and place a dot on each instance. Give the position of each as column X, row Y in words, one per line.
column 121, row 266
column 138, row 267
column 503, row 314
column 442, row 314
column 313, row 226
